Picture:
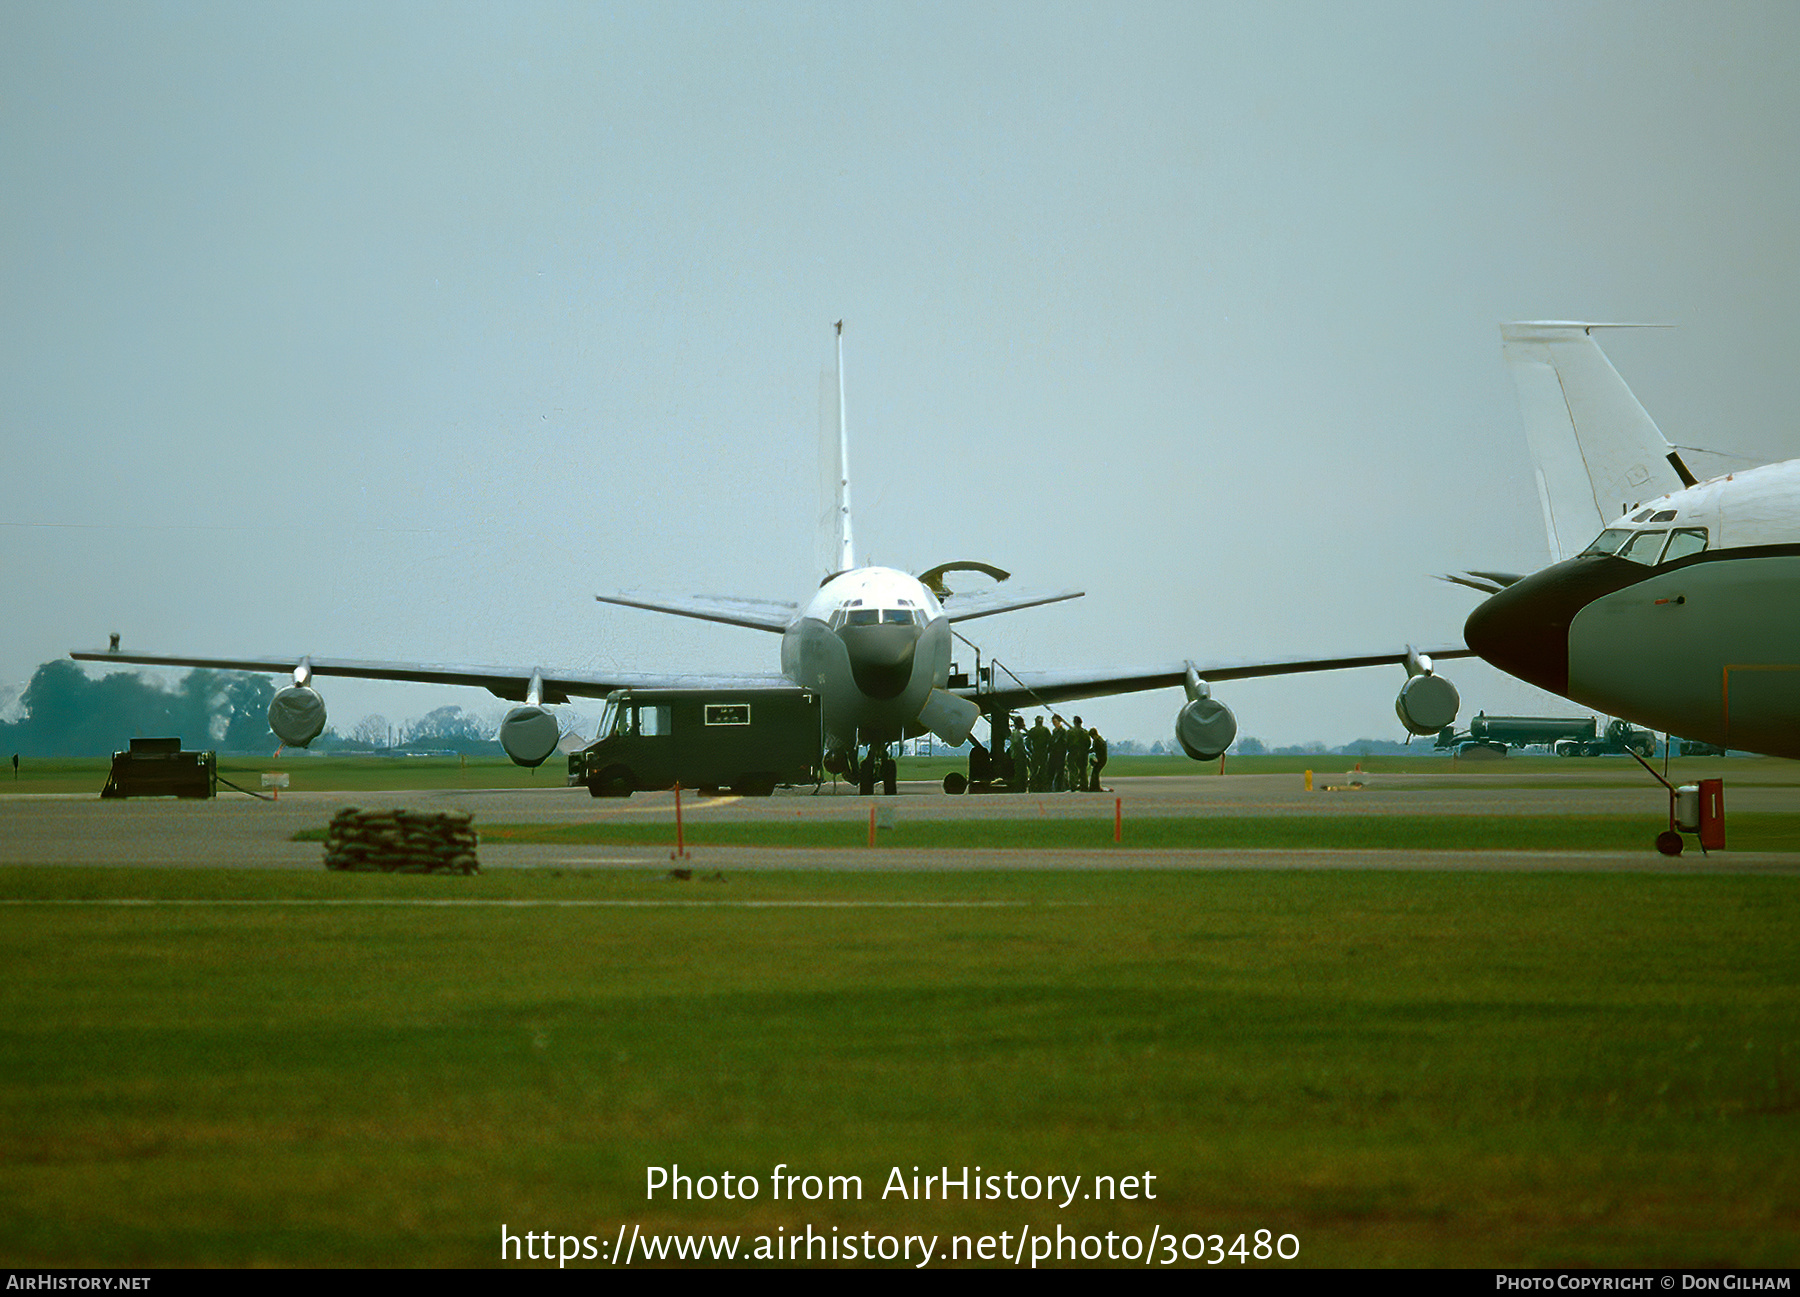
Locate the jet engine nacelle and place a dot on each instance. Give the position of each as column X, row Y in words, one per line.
column 1426, row 704
column 1205, row 728
column 529, row 735
column 297, row 715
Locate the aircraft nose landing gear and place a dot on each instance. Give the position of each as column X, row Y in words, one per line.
column 878, row 765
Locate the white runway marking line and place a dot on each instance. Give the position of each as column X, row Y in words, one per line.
column 449, row 902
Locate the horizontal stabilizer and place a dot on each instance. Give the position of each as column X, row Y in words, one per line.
column 985, row 603
column 1486, row 582
column 1042, row 688
column 758, row 614
column 503, row 682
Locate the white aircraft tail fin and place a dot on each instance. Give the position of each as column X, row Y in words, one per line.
column 1596, row 452
column 846, row 549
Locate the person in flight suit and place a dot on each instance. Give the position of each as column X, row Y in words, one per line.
column 1099, row 747
column 1037, row 748
column 1021, row 763
column 1058, row 772
column 1078, row 758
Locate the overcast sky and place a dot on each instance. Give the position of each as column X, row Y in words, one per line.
column 398, row 331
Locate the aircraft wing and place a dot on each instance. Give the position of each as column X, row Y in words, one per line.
column 985, row 603
column 1028, row 688
column 757, row 614
column 511, row 683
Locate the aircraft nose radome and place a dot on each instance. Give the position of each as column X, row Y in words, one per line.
column 1524, row 630
column 881, row 658
column 1517, row 633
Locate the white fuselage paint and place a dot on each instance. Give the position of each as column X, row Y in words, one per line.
column 1702, row 646
column 873, row 643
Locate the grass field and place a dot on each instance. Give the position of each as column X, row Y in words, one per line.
column 1765, row 831
column 1407, row 1069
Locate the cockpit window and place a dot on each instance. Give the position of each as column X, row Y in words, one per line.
column 898, row 617
column 863, row 617
column 1645, row 547
column 1642, row 515
column 1666, row 515
column 1608, row 541
column 1685, row 541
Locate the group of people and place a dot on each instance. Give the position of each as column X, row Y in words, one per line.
column 1056, row 758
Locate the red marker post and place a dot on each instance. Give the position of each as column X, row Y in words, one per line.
column 1118, row 819
column 680, row 852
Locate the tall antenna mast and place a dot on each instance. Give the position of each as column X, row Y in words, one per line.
column 846, row 551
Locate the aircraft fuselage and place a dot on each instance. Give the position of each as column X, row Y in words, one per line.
column 873, row 643
column 1683, row 616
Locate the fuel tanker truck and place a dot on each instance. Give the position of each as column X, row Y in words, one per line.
column 1567, row 736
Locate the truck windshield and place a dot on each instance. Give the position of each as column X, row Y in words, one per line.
column 608, row 716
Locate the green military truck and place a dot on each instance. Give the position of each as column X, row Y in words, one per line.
column 749, row 741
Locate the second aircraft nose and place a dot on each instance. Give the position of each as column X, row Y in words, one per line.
column 1524, row 630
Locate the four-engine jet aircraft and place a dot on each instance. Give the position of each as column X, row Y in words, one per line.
column 1684, row 613
column 873, row 643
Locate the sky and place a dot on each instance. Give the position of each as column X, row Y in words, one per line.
column 399, row 331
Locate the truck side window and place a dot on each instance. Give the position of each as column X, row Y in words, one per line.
column 1685, row 541
column 652, row 720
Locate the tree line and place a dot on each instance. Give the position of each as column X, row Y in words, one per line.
column 67, row 713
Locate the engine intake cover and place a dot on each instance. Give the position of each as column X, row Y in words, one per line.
column 1205, row 728
column 297, row 715
column 529, row 735
column 1426, row 704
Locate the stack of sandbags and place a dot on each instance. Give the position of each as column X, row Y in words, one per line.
column 404, row 842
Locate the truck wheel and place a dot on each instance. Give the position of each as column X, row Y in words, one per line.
column 614, row 781
column 890, row 782
column 954, row 783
